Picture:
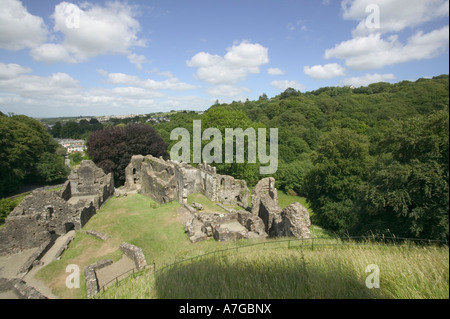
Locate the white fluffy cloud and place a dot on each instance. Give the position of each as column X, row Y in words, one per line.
column 9, row 71
column 394, row 15
column 284, row 84
column 91, row 30
column 19, row 29
column 240, row 61
column 367, row 79
column 22, row 91
column 324, row 72
column 15, row 79
column 275, row 71
column 226, row 90
column 137, row 60
column 372, row 51
column 171, row 83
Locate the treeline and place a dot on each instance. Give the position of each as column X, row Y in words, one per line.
column 369, row 160
column 28, row 154
column 75, row 130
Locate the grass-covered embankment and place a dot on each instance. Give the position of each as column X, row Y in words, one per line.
column 272, row 270
column 338, row 271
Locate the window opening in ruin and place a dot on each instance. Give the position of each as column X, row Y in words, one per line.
column 50, row 211
column 69, row 226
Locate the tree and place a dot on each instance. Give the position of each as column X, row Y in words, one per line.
column 23, row 140
column 6, row 206
column 289, row 92
column 71, row 130
column 56, row 130
column 112, row 148
column 51, row 168
column 340, row 164
column 407, row 192
column 223, row 118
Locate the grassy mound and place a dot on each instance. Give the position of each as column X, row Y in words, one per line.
column 325, row 272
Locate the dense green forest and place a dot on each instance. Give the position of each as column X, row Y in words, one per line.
column 372, row 159
column 369, row 160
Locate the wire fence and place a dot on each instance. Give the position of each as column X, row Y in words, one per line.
column 307, row 243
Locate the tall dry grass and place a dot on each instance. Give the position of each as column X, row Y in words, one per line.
column 337, row 271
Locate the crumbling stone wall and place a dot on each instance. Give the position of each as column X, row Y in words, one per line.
column 40, row 216
column 44, row 215
column 90, row 276
column 20, row 289
column 292, row 221
column 264, row 219
column 89, row 180
column 165, row 181
column 134, row 253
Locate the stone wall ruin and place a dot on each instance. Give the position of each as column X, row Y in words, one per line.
column 264, row 219
column 166, row 181
column 45, row 215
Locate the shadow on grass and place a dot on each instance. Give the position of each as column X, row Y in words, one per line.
column 289, row 278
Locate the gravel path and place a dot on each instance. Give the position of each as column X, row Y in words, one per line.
column 108, row 273
column 10, row 265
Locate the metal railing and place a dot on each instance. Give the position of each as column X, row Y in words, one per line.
column 134, row 272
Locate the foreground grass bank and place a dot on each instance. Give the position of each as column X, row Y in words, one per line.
column 405, row 271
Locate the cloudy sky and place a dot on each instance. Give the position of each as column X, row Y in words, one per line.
column 135, row 57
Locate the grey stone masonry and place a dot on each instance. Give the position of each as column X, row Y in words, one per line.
column 165, row 181
column 45, row 214
column 134, row 253
column 91, row 277
column 97, row 234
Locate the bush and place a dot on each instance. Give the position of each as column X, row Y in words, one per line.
column 6, row 206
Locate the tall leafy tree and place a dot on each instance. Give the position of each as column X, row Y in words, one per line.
column 407, row 192
column 23, row 140
column 223, row 118
column 340, row 165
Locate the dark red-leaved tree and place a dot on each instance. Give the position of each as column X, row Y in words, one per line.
column 112, row 148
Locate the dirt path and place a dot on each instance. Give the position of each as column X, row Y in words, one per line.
column 108, row 273
column 45, row 260
column 10, row 265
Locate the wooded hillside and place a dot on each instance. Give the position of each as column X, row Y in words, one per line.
column 368, row 159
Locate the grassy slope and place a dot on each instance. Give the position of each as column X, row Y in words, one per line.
column 330, row 272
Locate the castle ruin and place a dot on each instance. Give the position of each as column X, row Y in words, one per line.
column 45, row 215
column 166, row 181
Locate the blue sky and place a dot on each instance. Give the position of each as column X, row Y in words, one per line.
column 134, row 57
